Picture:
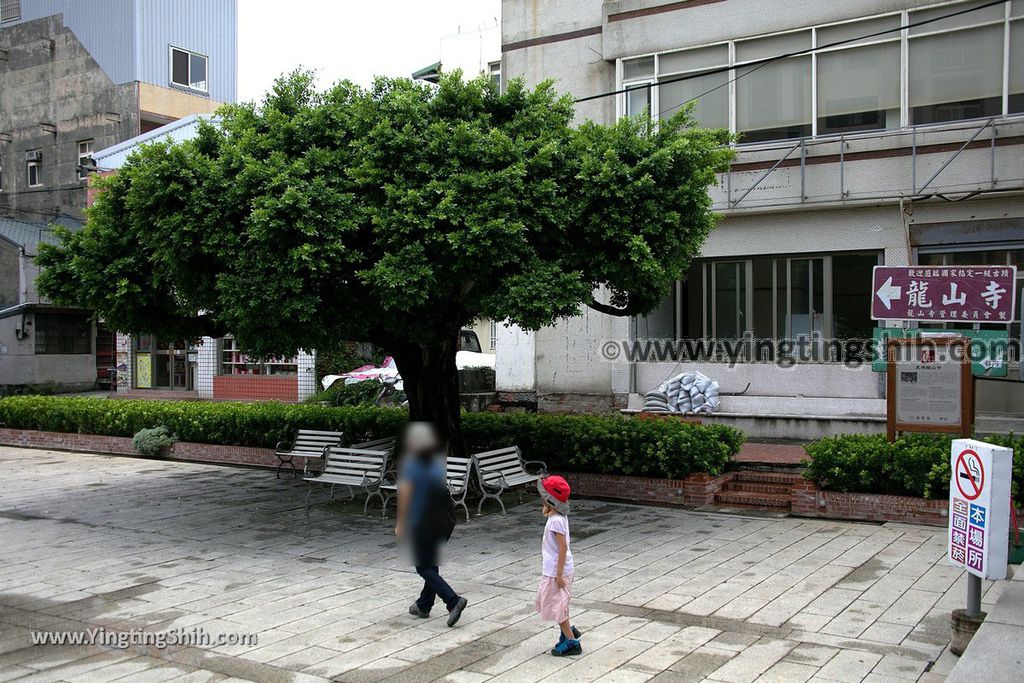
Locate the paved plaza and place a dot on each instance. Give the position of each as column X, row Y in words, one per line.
column 114, row 543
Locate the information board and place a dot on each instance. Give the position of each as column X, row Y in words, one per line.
column 929, row 386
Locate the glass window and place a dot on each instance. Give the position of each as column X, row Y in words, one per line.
column 851, row 292
column 1017, row 66
column 637, row 68
column 33, row 168
column 852, row 31
column 197, row 72
column 659, row 323
column 693, row 60
column 728, row 299
column 179, row 67
column 710, row 110
column 991, row 13
column 61, row 333
column 10, row 10
column 638, row 99
column 859, row 88
column 234, row 361
column 772, row 46
column 188, row 70
column 956, row 75
column 84, row 155
column 774, row 102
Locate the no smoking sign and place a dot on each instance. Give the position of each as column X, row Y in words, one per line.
column 979, row 507
column 969, row 474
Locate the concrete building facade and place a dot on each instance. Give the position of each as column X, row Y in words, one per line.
column 894, row 136
column 77, row 77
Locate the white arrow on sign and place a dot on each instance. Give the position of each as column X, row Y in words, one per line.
column 887, row 293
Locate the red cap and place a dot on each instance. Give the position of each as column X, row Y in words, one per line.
column 557, row 488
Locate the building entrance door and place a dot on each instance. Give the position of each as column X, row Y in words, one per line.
column 164, row 365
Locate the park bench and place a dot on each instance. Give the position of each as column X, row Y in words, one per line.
column 503, row 469
column 457, row 471
column 352, row 467
column 309, row 444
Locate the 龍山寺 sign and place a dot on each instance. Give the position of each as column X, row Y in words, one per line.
column 982, row 294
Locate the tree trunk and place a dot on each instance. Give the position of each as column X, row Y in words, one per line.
column 431, row 382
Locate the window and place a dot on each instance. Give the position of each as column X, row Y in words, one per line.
column 84, row 158
column 781, row 297
column 859, row 85
column 775, row 103
column 62, row 333
column 494, row 335
column 863, row 75
column 234, row 361
column 709, row 92
column 10, row 10
column 34, row 168
column 494, row 70
column 188, row 69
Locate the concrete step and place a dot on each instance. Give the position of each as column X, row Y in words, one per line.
column 748, row 499
column 753, row 487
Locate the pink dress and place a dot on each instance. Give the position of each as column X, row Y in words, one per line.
column 553, row 602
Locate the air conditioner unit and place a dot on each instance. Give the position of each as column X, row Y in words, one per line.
column 35, row 155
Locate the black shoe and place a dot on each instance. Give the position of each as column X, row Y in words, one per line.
column 455, row 612
column 417, row 612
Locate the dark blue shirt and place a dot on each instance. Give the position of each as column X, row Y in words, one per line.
column 424, row 476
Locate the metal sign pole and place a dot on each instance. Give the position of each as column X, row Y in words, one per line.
column 973, row 595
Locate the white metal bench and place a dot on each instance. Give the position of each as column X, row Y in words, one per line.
column 457, row 471
column 352, row 467
column 502, row 469
column 308, row 444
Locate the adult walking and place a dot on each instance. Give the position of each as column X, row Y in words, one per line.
column 426, row 517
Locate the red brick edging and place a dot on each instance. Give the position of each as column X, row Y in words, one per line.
column 810, row 501
column 695, row 490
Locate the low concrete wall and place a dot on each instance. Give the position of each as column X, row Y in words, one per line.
column 695, row 490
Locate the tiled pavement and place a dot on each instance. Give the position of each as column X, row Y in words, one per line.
column 90, row 541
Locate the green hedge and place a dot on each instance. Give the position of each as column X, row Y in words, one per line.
column 609, row 444
column 914, row 465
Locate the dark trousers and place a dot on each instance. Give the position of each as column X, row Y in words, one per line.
column 434, row 586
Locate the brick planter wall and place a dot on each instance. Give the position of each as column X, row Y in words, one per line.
column 809, row 501
column 696, row 489
column 122, row 445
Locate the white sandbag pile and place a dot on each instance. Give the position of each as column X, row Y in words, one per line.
column 690, row 393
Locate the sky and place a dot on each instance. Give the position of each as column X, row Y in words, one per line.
column 347, row 39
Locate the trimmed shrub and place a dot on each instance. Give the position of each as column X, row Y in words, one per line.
column 608, row 444
column 341, row 394
column 914, row 465
column 153, row 441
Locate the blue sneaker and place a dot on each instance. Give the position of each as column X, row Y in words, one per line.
column 575, row 634
column 567, row 648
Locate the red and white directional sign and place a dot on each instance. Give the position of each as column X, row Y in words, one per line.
column 940, row 293
column 979, row 507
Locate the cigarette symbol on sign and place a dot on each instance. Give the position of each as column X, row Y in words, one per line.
column 970, row 476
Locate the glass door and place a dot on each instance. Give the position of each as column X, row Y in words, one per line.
column 805, row 303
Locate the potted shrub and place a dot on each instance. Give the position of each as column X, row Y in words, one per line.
column 155, row 442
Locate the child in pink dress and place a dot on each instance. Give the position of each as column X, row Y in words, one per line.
column 555, row 590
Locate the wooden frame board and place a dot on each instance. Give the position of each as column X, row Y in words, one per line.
column 965, row 425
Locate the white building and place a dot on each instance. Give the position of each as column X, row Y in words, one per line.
column 902, row 146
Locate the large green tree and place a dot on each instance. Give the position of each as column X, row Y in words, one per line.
column 395, row 215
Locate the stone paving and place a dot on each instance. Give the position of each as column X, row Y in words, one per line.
column 100, row 542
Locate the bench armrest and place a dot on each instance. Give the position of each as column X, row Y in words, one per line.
column 283, row 446
column 543, row 466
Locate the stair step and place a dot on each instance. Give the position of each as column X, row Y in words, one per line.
column 766, row 477
column 764, row 500
column 756, row 487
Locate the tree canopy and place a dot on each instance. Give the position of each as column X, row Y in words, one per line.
column 394, row 214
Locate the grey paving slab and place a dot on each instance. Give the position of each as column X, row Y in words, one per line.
column 147, row 546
